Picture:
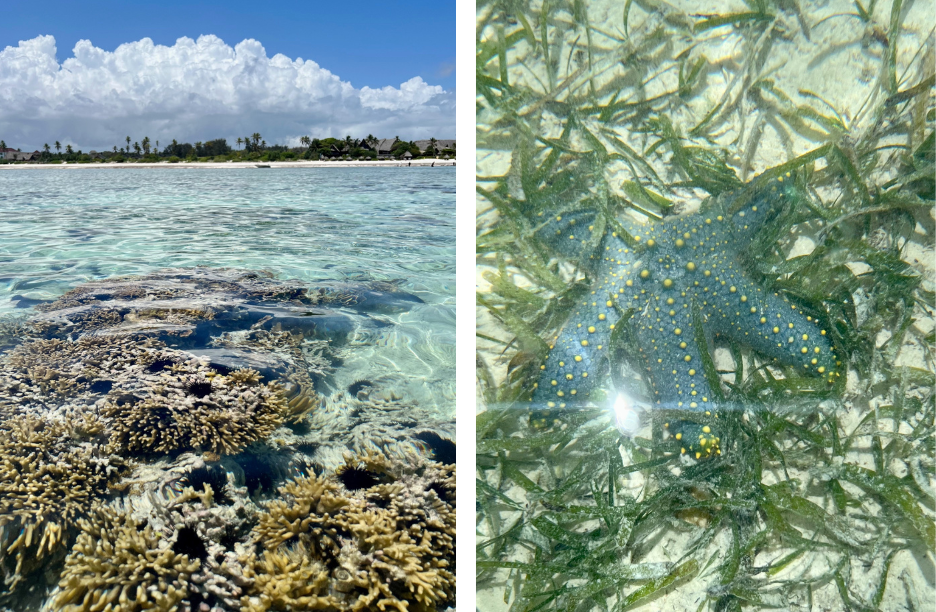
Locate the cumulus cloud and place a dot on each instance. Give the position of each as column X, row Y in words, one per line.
column 198, row 90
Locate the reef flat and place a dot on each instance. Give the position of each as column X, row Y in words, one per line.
column 175, row 441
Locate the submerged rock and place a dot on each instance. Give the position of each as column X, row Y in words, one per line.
column 186, row 307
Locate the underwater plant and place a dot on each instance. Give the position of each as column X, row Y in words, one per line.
column 604, row 128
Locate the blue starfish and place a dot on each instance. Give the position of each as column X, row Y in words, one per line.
column 672, row 276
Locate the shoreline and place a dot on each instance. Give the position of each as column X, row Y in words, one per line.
column 416, row 163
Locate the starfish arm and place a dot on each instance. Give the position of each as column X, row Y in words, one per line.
column 571, row 233
column 578, row 355
column 770, row 324
column 751, row 210
column 672, row 358
column 673, row 362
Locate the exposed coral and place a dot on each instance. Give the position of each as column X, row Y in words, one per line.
column 120, row 565
column 12, row 332
column 180, row 304
column 46, row 483
column 38, row 373
column 380, row 534
column 155, row 399
column 202, row 410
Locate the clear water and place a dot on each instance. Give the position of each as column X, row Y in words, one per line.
column 590, row 103
column 59, row 228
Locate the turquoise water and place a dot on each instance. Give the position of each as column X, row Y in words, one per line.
column 59, row 228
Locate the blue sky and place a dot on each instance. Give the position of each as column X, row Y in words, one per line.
column 366, row 42
column 379, row 67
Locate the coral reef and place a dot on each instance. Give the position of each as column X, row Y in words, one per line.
column 153, row 399
column 379, row 534
column 42, row 374
column 303, row 359
column 184, row 305
column 46, row 483
column 208, row 380
column 196, row 409
column 123, row 566
column 192, row 519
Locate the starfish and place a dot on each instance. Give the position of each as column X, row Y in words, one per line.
column 672, row 277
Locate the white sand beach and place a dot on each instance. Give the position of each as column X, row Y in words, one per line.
column 416, row 163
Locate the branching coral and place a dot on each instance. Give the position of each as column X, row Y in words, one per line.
column 37, row 371
column 202, row 410
column 289, row 578
column 45, row 485
column 122, row 566
column 304, row 357
column 385, row 528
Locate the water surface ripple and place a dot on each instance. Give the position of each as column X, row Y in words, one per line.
column 61, row 228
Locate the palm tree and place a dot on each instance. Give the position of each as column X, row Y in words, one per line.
column 263, row 145
column 136, row 148
column 58, row 147
column 68, row 149
column 2, row 145
column 128, row 144
column 45, row 147
column 256, row 139
column 239, row 141
column 115, row 149
column 146, row 145
column 197, row 147
column 157, row 146
column 305, row 140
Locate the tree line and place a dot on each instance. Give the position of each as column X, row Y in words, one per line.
column 249, row 148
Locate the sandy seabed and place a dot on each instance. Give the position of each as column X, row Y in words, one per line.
column 416, row 163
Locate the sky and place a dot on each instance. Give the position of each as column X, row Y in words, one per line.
column 91, row 74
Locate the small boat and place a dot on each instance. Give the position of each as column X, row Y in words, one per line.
column 263, row 165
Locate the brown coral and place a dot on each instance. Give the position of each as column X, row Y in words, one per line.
column 202, row 411
column 121, row 566
column 45, row 485
column 387, row 533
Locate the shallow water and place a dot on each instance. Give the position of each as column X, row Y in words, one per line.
column 62, row 228
column 622, row 112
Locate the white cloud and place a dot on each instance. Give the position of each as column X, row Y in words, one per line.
column 198, row 90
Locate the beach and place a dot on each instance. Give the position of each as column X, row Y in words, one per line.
column 416, row 163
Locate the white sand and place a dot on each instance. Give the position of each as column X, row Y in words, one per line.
column 215, row 165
